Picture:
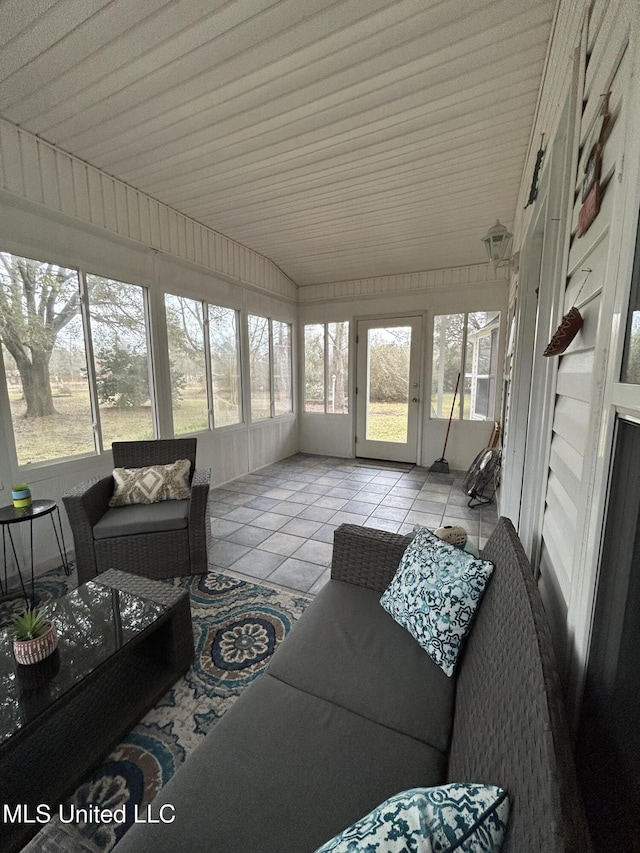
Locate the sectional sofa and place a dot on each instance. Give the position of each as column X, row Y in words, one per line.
column 351, row 711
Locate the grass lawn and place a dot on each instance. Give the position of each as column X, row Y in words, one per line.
column 69, row 431
column 387, row 422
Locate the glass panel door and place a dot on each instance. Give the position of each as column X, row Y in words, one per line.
column 388, row 389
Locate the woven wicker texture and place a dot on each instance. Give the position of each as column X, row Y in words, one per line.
column 153, row 555
column 139, row 454
column 366, row 557
column 163, row 593
column 509, row 726
column 47, row 759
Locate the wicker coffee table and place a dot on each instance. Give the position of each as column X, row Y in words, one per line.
column 124, row 640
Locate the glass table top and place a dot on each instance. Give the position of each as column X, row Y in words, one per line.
column 93, row 622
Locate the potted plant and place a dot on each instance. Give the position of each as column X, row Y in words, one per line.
column 34, row 636
column 21, row 494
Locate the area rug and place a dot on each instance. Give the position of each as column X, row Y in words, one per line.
column 237, row 626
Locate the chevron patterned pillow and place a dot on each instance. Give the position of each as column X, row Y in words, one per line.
column 152, row 484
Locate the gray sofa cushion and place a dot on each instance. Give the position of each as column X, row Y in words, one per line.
column 142, row 518
column 285, row 771
column 347, row 649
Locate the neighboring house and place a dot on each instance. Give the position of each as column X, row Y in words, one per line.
column 484, row 369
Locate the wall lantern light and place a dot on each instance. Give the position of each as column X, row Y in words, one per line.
column 498, row 245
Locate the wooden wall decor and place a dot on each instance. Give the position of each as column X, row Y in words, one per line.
column 591, row 189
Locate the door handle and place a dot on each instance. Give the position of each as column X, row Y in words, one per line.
column 414, row 400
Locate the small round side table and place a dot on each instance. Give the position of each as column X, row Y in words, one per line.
column 10, row 515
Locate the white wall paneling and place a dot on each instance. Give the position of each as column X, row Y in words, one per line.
column 549, row 237
column 468, row 278
column 31, row 229
column 563, row 530
column 339, row 139
column 425, row 293
column 39, row 172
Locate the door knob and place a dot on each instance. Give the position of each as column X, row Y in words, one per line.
column 414, row 399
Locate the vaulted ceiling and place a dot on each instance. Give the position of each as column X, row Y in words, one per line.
column 340, row 138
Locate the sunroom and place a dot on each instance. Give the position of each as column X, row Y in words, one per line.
column 263, row 224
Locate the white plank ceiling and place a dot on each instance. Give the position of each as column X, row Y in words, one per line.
column 342, row 139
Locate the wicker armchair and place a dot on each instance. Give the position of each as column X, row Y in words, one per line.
column 164, row 541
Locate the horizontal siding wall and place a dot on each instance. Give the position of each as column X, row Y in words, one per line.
column 35, row 170
column 580, row 373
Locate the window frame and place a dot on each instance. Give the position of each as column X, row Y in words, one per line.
column 91, row 366
column 206, row 305
column 213, row 426
column 272, row 352
column 326, row 365
column 272, row 413
column 207, row 366
column 84, row 314
column 464, row 358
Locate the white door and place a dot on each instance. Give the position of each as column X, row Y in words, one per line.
column 387, row 389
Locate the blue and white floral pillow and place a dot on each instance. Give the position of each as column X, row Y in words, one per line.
column 434, row 595
column 458, row 817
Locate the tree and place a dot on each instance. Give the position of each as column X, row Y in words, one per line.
column 338, row 353
column 389, row 352
column 37, row 300
column 185, row 331
column 225, row 364
column 314, row 367
column 122, row 377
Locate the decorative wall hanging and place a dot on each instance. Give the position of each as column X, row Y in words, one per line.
column 565, row 333
column 533, row 192
column 591, row 190
column 569, row 327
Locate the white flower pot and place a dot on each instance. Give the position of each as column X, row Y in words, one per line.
column 33, row 651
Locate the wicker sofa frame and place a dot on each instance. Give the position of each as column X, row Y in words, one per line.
column 151, row 555
column 508, row 723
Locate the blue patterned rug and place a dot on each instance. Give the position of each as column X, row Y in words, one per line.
column 237, row 626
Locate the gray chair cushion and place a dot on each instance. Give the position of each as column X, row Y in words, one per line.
column 347, row 649
column 282, row 771
column 142, row 518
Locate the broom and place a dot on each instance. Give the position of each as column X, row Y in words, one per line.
column 441, row 466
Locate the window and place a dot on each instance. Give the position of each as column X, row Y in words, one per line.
column 118, row 322
column 259, row 368
column 44, row 360
column 630, row 373
column 224, row 342
column 187, row 364
column 270, row 367
column 282, row 384
column 326, row 363
column 53, row 386
column 465, row 345
column 188, row 354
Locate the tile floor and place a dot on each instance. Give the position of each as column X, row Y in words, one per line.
column 277, row 524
